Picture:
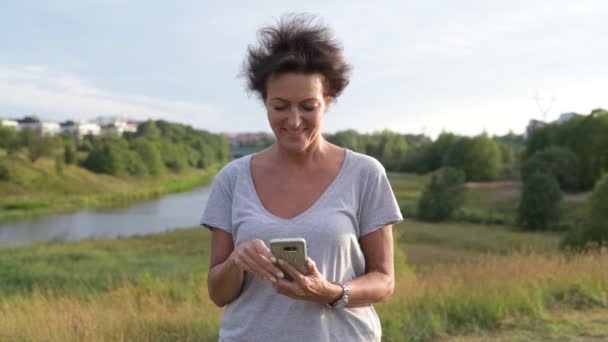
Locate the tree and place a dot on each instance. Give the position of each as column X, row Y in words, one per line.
column 9, row 139
column 443, row 195
column 557, row 161
column 539, row 208
column 150, row 155
column 594, row 229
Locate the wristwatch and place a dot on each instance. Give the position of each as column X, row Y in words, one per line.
column 342, row 301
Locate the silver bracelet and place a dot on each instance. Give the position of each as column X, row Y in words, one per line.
column 343, row 300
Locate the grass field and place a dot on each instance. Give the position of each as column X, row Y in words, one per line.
column 455, row 281
column 486, row 203
column 36, row 189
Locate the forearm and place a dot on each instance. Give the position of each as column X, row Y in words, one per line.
column 373, row 287
column 224, row 282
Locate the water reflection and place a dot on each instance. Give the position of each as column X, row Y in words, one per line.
column 153, row 216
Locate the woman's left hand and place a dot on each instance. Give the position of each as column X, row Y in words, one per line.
column 311, row 287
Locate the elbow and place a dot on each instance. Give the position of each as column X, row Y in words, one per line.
column 389, row 289
column 219, row 302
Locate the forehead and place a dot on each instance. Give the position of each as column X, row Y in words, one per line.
column 294, row 86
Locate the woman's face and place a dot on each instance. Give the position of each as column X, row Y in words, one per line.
column 295, row 106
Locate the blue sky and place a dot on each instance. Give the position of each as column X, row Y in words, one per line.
column 419, row 66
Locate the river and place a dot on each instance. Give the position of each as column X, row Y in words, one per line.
column 153, row 216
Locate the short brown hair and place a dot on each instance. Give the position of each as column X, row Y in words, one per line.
column 298, row 43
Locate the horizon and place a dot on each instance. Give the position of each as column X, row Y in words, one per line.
column 465, row 68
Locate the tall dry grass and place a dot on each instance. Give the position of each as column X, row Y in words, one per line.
column 468, row 297
column 439, row 301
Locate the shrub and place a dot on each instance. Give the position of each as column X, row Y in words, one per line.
column 539, row 208
column 443, row 195
column 594, row 229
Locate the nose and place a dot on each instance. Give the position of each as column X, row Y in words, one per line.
column 294, row 118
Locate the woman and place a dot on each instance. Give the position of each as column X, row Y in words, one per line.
column 302, row 186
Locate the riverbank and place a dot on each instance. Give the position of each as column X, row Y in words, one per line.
column 38, row 189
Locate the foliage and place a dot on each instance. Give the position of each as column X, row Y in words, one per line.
column 37, row 144
column 9, row 139
column 443, row 195
column 149, row 154
column 69, row 153
column 585, row 136
column 593, row 232
column 480, row 158
column 560, row 162
column 539, row 208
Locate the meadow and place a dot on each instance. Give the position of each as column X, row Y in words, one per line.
column 456, row 281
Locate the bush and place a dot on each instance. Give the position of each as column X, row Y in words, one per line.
column 443, row 195
column 539, row 208
column 594, row 230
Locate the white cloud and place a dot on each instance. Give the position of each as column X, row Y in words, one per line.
column 60, row 95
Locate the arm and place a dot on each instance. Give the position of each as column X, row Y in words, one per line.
column 376, row 285
column 224, row 279
column 378, row 282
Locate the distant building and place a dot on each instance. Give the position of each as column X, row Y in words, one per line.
column 9, row 123
column 566, row 116
column 80, row 129
column 42, row 127
column 119, row 127
column 534, row 125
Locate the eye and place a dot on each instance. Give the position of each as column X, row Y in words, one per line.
column 279, row 108
column 309, row 107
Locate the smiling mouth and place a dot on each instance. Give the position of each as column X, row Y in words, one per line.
column 291, row 132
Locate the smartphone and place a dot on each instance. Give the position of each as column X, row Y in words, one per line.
column 292, row 250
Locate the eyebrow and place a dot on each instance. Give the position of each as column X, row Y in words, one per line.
column 282, row 99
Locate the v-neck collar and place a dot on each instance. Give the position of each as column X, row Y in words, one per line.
column 312, row 206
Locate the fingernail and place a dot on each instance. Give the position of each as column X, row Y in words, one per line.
column 273, row 279
column 281, row 262
column 280, row 275
column 273, row 259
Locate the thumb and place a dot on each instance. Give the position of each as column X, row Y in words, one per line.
column 312, row 267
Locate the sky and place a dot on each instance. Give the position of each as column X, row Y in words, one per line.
column 467, row 67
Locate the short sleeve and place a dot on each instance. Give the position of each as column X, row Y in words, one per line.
column 218, row 212
column 378, row 206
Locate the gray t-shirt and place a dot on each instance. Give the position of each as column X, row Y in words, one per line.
column 357, row 202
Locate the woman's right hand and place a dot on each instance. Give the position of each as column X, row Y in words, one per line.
column 255, row 257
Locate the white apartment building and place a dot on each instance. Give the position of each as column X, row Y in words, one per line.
column 9, row 123
column 80, row 129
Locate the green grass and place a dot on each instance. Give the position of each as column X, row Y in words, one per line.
column 490, row 203
column 452, row 280
column 37, row 189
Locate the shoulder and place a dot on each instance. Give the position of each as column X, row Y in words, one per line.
column 229, row 174
column 365, row 165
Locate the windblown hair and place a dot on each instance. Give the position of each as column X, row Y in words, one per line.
column 298, row 43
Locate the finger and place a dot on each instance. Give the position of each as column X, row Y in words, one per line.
column 263, row 266
column 250, row 265
column 261, row 248
column 312, row 267
column 295, row 274
column 262, row 255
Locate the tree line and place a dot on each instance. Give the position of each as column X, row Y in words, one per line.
column 157, row 147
